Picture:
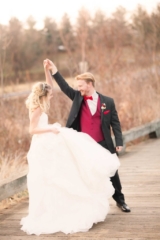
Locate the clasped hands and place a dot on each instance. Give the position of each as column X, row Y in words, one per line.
column 49, row 65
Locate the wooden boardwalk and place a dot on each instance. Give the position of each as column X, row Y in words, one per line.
column 140, row 177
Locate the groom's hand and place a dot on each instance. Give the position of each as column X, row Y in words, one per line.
column 119, row 148
column 48, row 64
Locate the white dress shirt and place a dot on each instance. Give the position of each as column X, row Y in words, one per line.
column 92, row 104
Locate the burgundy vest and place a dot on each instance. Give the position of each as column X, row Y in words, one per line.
column 91, row 124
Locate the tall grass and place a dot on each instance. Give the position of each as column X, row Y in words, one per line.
column 136, row 95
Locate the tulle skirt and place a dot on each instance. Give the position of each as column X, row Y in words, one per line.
column 68, row 182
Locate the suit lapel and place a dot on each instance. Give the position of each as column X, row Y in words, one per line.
column 80, row 99
column 101, row 101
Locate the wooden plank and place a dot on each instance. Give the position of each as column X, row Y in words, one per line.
column 139, row 174
column 13, row 187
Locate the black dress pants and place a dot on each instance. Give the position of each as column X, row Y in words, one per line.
column 118, row 196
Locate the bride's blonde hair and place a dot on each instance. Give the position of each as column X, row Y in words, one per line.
column 38, row 97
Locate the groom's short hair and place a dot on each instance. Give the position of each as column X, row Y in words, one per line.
column 87, row 77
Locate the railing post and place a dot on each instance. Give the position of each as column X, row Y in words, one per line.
column 155, row 134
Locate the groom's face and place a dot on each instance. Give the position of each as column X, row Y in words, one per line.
column 83, row 87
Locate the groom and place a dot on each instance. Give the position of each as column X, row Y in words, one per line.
column 94, row 114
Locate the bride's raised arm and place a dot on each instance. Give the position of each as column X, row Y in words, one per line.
column 48, row 75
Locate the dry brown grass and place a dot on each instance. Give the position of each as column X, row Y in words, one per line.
column 14, row 137
column 12, row 165
column 26, row 86
column 137, row 97
column 16, row 87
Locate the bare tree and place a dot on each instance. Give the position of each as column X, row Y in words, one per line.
column 69, row 43
column 82, row 30
column 4, row 43
column 15, row 31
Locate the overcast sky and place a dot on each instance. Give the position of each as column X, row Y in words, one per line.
column 55, row 9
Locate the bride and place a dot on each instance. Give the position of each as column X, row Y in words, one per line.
column 69, row 172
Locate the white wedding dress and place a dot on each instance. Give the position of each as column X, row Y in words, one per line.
column 68, row 181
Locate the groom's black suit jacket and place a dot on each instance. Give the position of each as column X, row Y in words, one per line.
column 108, row 120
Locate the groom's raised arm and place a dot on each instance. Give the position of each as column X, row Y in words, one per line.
column 69, row 91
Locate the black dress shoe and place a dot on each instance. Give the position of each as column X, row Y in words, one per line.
column 123, row 207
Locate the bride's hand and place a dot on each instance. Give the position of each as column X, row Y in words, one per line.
column 49, row 65
column 55, row 130
column 45, row 64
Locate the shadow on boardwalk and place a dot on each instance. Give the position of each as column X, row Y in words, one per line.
column 140, row 176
